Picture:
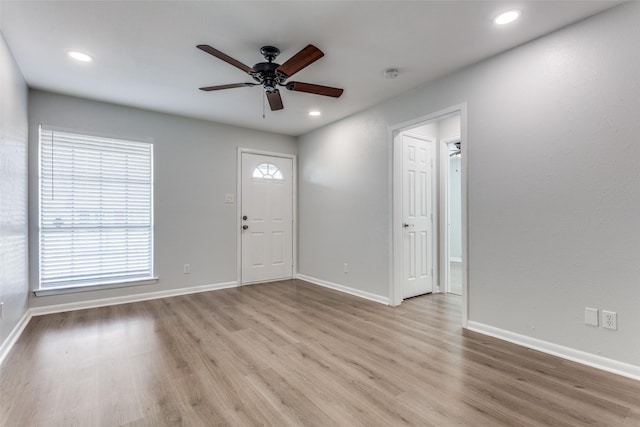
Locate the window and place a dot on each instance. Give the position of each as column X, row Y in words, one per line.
column 267, row 171
column 96, row 204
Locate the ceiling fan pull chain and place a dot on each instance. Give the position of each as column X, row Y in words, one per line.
column 264, row 101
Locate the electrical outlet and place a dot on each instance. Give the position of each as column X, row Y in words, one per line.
column 345, row 268
column 591, row 316
column 609, row 319
column 187, row 269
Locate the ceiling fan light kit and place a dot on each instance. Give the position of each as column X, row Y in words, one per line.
column 270, row 74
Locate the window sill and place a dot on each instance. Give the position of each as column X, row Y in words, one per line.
column 86, row 288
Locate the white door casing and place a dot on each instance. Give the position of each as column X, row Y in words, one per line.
column 396, row 265
column 267, row 205
column 417, row 214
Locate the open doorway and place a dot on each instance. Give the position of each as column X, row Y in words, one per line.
column 444, row 189
column 451, row 224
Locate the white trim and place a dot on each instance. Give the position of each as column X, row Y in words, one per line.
column 395, row 291
column 103, row 302
column 464, row 178
column 259, row 282
column 347, row 290
column 578, row 356
column 294, row 201
column 115, row 135
column 15, row 333
column 438, row 115
column 443, row 206
column 87, row 288
column 238, row 221
column 455, row 259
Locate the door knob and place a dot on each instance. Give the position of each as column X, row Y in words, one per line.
column 244, row 227
column 244, row 218
column 405, row 225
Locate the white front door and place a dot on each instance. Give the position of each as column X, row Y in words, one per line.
column 266, row 218
column 417, row 209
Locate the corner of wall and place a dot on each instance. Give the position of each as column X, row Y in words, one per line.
column 14, row 258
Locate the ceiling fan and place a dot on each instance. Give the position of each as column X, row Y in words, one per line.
column 270, row 74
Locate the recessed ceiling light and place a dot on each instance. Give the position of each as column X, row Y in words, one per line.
column 79, row 56
column 506, row 17
column 314, row 113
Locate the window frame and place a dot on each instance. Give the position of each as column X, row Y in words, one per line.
column 103, row 283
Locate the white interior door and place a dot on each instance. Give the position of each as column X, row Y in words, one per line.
column 417, row 214
column 267, row 218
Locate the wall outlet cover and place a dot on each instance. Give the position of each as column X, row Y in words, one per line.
column 609, row 319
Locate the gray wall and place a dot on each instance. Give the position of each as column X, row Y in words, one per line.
column 344, row 203
column 554, row 198
column 195, row 166
column 14, row 285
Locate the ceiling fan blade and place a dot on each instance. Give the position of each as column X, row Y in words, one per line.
column 275, row 101
column 226, row 58
column 230, row 86
column 297, row 62
column 315, row 89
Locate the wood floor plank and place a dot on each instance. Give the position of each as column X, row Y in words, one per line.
column 290, row 353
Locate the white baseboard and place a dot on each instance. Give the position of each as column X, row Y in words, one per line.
column 347, row 290
column 8, row 343
column 103, row 302
column 589, row 359
column 595, row 361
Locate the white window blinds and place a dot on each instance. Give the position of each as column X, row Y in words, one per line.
column 96, row 204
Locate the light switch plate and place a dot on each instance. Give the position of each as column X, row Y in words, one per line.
column 228, row 198
column 591, row 316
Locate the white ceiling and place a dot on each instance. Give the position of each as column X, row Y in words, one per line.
column 145, row 54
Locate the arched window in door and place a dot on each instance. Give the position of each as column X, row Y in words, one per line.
column 267, row 171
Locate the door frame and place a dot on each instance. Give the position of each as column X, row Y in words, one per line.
column 444, row 210
column 395, row 219
column 294, row 213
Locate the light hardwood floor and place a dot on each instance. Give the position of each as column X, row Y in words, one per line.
column 293, row 354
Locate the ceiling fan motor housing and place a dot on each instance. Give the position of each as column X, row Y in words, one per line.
column 265, row 74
